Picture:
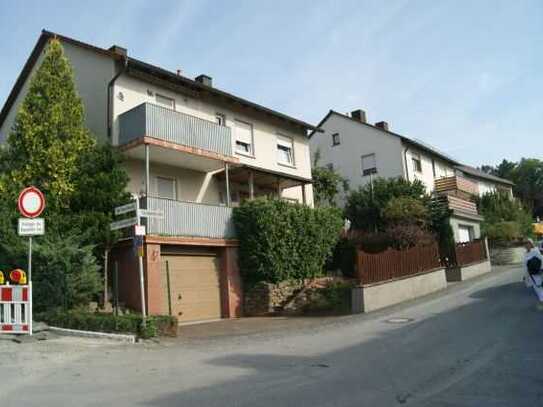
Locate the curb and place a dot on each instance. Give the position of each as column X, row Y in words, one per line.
column 95, row 335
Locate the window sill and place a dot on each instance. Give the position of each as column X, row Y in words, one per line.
column 286, row 165
column 245, row 154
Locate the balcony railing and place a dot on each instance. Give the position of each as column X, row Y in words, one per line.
column 189, row 219
column 148, row 120
column 454, row 184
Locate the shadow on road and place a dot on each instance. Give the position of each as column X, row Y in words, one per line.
column 483, row 353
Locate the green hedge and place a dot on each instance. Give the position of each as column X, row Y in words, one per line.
column 282, row 241
column 98, row 322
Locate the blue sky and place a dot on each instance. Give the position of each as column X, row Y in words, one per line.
column 464, row 76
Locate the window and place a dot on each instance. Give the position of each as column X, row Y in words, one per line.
column 165, row 101
column 369, row 164
column 330, row 166
column 220, row 119
column 166, row 187
column 244, row 138
column 417, row 164
column 284, row 150
column 335, row 139
column 466, row 233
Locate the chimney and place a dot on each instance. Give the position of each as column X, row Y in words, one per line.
column 119, row 50
column 382, row 125
column 204, row 80
column 179, row 72
column 359, row 115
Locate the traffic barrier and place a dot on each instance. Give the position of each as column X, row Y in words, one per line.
column 16, row 309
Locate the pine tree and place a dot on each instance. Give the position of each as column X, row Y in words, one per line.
column 49, row 134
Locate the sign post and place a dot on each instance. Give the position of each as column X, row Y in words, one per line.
column 31, row 204
column 139, row 234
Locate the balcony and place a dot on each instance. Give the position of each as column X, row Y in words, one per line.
column 456, row 186
column 177, row 138
column 189, row 219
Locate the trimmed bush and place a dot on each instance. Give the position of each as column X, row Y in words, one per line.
column 282, row 241
column 97, row 322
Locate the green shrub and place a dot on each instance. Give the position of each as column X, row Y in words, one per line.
column 97, row 322
column 405, row 210
column 284, row 241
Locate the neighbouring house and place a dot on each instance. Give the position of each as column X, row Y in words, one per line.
column 360, row 151
column 193, row 152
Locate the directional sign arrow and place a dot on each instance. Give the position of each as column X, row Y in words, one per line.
column 125, row 223
column 130, row 207
column 148, row 213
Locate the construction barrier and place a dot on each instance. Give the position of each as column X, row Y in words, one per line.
column 16, row 309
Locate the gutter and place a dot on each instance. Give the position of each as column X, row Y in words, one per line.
column 405, row 163
column 110, row 97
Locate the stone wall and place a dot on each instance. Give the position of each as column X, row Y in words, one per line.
column 290, row 297
column 507, row 255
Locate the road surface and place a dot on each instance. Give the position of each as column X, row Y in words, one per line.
column 478, row 344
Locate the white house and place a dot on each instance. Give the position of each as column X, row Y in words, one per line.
column 192, row 151
column 361, row 151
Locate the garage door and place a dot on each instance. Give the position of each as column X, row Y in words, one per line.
column 194, row 287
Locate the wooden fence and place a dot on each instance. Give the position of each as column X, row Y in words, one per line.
column 393, row 264
column 470, row 252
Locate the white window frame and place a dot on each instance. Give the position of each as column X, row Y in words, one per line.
column 251, row 152
column 286, row 145
column 371, row 170
column 416, row 157
column 220, row 119
column 158, row 95
column 174, row 186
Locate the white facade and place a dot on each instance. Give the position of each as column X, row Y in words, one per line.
column 277, row 145
column 344, row 142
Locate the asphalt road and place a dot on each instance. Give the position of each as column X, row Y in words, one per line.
column 478, row 344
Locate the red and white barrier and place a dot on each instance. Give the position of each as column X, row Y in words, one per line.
column 16, row 309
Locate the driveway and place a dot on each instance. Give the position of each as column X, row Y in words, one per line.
column 477, row 344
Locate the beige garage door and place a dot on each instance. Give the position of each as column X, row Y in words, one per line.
column 194, row 287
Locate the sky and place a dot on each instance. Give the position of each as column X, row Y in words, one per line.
column 464, row 76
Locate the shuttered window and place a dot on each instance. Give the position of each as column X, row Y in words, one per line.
column 284, row 150
column 244, row 138
column 166, row 187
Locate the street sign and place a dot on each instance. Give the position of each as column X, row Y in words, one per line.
column 31, row 202
column 148, row 213
column 130, row 207
column 31, row 227
column 139, row 230
column 125, row 223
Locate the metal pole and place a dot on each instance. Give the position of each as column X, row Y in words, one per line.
column 227, row 173
column 106, row 261
column 30, row 283
column 251, row 185
column 116, row 289
column 147, row 172
column 140, row 266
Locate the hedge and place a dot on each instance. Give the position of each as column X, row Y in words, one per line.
column 99, row 322
column 281, row 240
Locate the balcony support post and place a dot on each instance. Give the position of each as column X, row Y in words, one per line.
column 227, row 176
column 251, row 185
column 304, row 198
column 278, row 188
column 147, row 172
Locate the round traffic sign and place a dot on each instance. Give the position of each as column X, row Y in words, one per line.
column 31, row 202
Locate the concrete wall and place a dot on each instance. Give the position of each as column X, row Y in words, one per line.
column 469, row 271
column 381, row 295
column 92, row 73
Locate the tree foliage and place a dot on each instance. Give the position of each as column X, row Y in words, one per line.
column 505, row 219
column 284, row 241
column 327, row 183
column 50, row 147
column 527, row 175
column 365, row 206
